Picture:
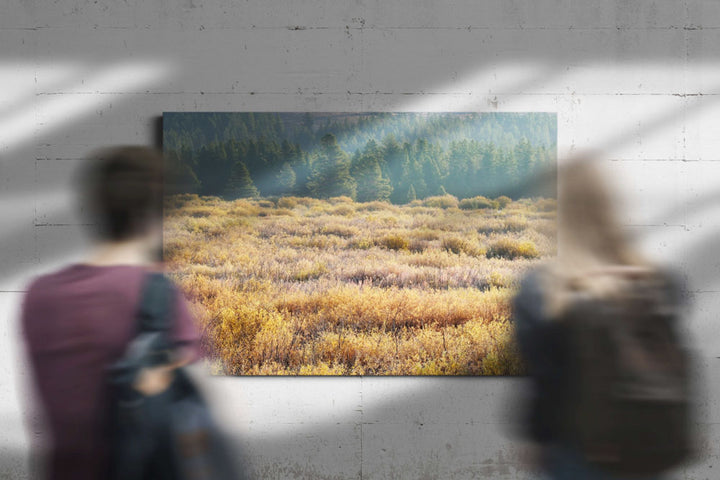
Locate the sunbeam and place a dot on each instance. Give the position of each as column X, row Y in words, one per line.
column 51, row 110
column 22, row 82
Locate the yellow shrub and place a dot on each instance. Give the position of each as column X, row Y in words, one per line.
column 503, row 201
column 274, row 341
column 178, row 201
column 491, row 225
column 425, row 234
column 202, row 211
column 499, row 280
column 546, row 205
column 322, row 368
column 340, row 199
column 280, row 212
column 233, row 334
column 395, row 242
column 377, row 206
column 310, row 271
column 478, row 202
column 511, row 249
column 244, row 208
column 323, row 242
column 441, row 201
column 287, row 202
column 418, row 246
column 343, row 210
column 516, row 223
column 458, row 245
column 362, row 243
column 211, row 227
column 433, row 258
column 339, row 230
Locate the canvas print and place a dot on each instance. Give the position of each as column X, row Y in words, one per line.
column 357, row 243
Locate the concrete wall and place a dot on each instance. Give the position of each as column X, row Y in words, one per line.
column 638, row 80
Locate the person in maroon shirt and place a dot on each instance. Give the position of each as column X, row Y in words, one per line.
column 79, row 320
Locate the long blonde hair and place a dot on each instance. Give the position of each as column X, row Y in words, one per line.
column 595, row 257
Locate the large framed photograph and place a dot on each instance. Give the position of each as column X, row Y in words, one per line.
column 357, row 243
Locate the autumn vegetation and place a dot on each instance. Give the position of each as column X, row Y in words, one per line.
column 307, row 286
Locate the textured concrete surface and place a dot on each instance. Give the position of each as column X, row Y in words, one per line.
column 638, row 80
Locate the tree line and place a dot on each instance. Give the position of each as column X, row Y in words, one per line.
column 327, row 155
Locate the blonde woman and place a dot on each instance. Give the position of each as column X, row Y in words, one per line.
column 591, row 280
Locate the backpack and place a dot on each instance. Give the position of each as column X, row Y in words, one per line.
column 169, row 436
column 628, row 399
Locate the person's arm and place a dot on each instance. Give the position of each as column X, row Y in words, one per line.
column 186, row 339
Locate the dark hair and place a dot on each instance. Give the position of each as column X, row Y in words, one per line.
column 123, row 188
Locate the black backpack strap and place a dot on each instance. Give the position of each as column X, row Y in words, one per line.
column 154, row 320
column 155, row 311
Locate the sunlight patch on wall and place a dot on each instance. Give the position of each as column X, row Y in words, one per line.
column 54, row 108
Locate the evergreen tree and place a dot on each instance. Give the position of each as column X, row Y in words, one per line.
column 508, row 174
column 411, row 194
column 425, row 175
column 489, row 177
column 416, row 178
column 285, row 179
column 371, row 185
column 302, row 169
column 365, row 169
column 395, row 167
column 240, row 185
column 212, row 170
column 331, row 171
column 179, row 175
column 524, row 156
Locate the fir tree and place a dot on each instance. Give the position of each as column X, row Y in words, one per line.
column 212, row 170
column 365, row 169
column 179, row 176
column 331, row 171
column 411, row 194
column 285, row 179
column 240, row 185
column 394, row 162
column 371, row 185
column 302, row 171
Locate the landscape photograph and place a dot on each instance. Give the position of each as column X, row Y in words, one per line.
column 357, row 243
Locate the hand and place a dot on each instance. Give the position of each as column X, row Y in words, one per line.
column 154, row 380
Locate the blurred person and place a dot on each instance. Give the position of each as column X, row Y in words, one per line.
column 609, row 395
column 79, row 320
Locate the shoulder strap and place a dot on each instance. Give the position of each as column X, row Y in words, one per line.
column 156, row 303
